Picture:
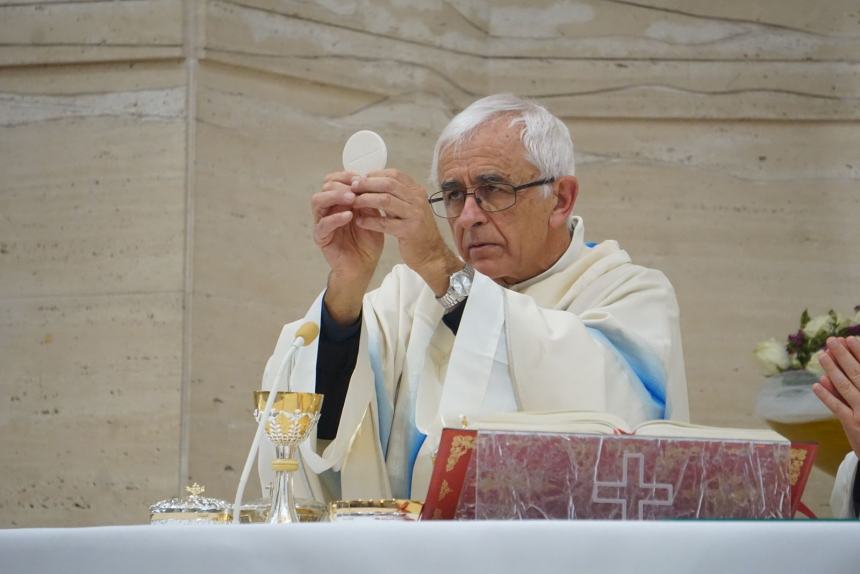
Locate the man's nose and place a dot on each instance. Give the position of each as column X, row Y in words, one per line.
column 472, row 214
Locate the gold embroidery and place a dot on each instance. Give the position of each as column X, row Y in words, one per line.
column 798, row 456
column 437, row 514
column 444, row 490
column 459, row 446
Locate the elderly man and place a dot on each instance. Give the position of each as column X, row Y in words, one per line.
column 526, row 316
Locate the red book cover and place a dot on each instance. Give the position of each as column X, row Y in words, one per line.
column 576, row 475
column 449, row 470
column 527, row 475
column 800, row 467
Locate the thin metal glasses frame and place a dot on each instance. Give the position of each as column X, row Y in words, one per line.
column 439, row 196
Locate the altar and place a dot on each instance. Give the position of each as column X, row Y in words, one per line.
column 703, row 547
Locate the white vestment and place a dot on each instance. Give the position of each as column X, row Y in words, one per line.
column 594, row 332
column 842, row 498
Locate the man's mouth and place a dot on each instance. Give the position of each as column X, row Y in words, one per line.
column 481, row 246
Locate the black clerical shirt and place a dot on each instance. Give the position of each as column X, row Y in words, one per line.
column 857, row 493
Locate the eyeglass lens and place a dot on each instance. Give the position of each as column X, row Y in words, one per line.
column 494, row 197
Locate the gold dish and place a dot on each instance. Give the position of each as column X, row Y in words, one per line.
column 375, row 509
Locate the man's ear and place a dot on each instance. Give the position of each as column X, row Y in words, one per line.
column 567, row 190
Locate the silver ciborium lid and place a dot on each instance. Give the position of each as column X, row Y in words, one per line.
column 192, row 509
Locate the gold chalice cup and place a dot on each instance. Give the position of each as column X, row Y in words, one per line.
column 290, row 422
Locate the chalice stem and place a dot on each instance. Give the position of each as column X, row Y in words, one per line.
column 283, row 510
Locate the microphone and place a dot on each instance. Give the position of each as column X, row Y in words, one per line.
column 304, row 336
column 307, row 333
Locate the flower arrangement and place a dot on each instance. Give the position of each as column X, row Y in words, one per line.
column 802, row 349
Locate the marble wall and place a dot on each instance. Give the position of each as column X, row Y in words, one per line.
column 92, row 233
column 157, row 156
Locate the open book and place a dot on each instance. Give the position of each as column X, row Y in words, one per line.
column 689, row 471
column 605, row 423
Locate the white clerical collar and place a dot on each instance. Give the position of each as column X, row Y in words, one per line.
column 577, row 235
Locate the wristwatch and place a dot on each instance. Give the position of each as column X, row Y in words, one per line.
column 459, row 286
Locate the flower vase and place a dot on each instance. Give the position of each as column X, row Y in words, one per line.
column 788, row 405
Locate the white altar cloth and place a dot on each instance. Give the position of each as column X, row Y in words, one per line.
column 534, row 547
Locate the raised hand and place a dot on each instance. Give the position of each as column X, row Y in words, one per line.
column 352, row 251
column 405, row 215
column 839, row 387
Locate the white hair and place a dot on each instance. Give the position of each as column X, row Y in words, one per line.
column 545, row 138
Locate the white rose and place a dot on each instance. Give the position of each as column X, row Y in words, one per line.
column 816, row 324
column 813, row 366
column 773, row 356
column 842, row 321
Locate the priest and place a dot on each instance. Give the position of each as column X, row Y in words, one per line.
column 526, row 315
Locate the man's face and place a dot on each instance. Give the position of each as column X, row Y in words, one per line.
column 508, row 246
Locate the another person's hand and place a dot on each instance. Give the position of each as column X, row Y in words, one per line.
column 839, row 387
column 407, row 217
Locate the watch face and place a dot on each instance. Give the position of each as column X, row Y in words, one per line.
column 461, row 284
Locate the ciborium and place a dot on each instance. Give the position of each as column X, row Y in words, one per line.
column 290, row 422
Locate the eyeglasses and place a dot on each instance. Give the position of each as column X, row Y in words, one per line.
column 491, row 196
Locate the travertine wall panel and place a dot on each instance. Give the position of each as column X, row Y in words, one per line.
column 89, row 412
column 71, row 32
column 683, row 89
column 676, row 30
column 92, row 177
column 335, row 55
column 91, row 184
column 92, row 79
column 334, row 51
column 837, row 18
column 456, row 26
column 746, row 151
column 598, row 29
column 102, row 215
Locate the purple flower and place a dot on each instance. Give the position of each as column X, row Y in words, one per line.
column 797, row 340
column 852, row 330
